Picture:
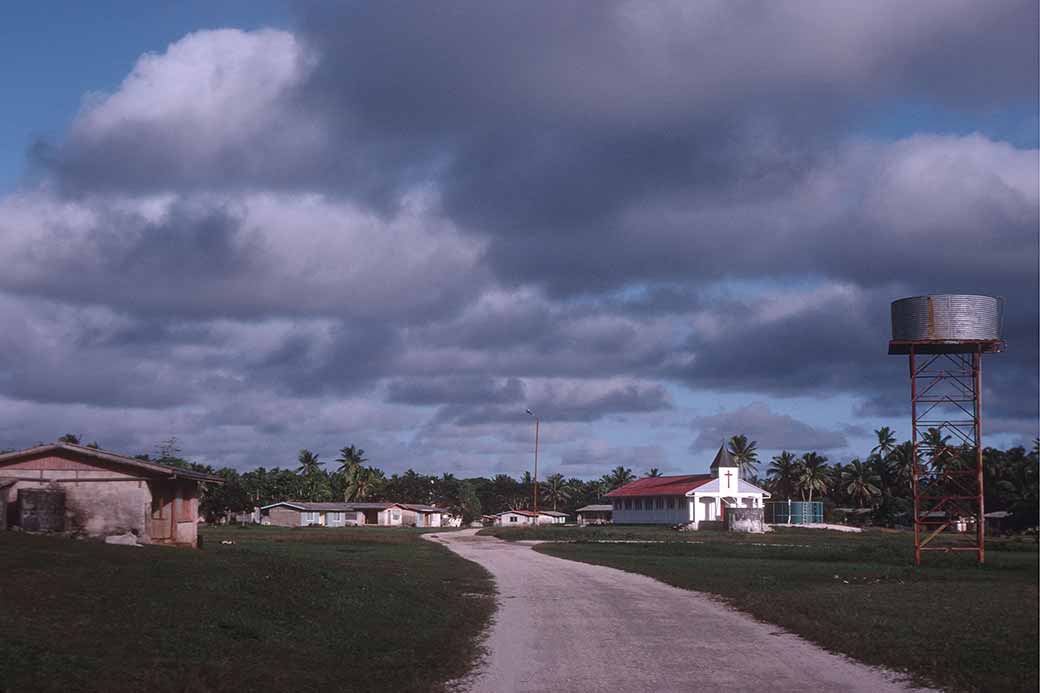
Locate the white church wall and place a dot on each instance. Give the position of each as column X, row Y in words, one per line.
column 677, row 514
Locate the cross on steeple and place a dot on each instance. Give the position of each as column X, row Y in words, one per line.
column 728, row 475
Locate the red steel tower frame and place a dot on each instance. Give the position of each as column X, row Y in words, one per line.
column 946, row 414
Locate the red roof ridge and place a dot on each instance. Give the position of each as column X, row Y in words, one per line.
column 675, row 485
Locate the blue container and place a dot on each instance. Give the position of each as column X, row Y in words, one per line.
column 794, row 512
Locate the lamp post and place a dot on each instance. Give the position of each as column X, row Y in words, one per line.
column 536, row 424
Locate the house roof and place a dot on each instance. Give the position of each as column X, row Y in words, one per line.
column 661, row 485
column 714, row 486
column 312, row 507
column 525, row 513
column 418, row 507
column 305, row 506
column 553, row 513
column 5, row 482
column 595, row 509
column 723, row 458
column 154, row 468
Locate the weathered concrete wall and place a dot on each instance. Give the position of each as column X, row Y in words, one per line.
column 103, row 499
column 284, row 517
column 108, row 507
column 746, row 520
column 98, row 500
column 41, row 509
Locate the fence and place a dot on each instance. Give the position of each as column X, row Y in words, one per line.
column 794, row 512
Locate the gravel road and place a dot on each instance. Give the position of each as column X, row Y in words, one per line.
column 567, row 626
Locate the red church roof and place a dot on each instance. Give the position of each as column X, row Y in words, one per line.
column 661, row 485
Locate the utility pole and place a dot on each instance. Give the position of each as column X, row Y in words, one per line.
column 536, row 426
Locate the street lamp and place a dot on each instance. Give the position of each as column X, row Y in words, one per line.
column 536, row 423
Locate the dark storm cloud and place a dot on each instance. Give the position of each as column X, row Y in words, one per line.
column 52, row 354
column 592, row 460
column 456, row 390
column 485, row 207
column 572, row 402
column 837, row 342
column 771, row 430
column 341, row 359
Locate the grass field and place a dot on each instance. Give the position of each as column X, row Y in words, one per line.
column 280, row 609
column 949, row 623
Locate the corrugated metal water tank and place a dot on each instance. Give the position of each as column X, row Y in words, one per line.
column 948, row 317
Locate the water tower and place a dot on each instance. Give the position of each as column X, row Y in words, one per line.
column 945, row 337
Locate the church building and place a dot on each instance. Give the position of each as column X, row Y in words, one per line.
column 689, row 498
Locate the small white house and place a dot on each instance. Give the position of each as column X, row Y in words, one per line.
column 515, row 518
column 690, row 498
column 301, row 514
column 552, row 517
column 519, row 518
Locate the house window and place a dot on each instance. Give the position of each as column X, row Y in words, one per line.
column 628, row 504
column 639, row 503
column 671, row 503
column 660, row 503
column 395, row 515
column 310, row 518
column 512, row 518
column 158, row 503
column 335, row 518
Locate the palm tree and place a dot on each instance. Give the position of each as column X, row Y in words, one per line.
column 886, row 443
column 859, row 482
column 69, row 438
column 350, row 458
column 938, row 446
column 783, row 473
column 308, row 462
column 355, row 476
column 556, row 490
column 654, row 472
column 745, row 453
column 813, row 476
column 901, row 462
column 618, row 477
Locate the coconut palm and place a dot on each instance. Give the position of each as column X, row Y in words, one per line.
column 860, row 482
column 556, row 490
column 350, row 458
column 360, row 483
column 886, row 443
column 308, row 462
column 654, row 472
column 813, row 475
column 745, row 453
column 356, row 479
column 618, row 477
column 783, row 473
column 938, row 446
column 901, row 462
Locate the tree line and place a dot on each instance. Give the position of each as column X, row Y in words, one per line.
column 880, row 482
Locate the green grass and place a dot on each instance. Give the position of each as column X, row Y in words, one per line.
column 280, row 609
column 949, row 623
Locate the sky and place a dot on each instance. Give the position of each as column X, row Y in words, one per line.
column 259, row 227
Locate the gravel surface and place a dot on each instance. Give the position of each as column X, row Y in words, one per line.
column 568, row 626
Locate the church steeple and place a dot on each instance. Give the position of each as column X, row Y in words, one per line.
column 727, row 470
column 723, row 458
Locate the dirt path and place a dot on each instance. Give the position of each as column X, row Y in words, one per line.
column 567, row 626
